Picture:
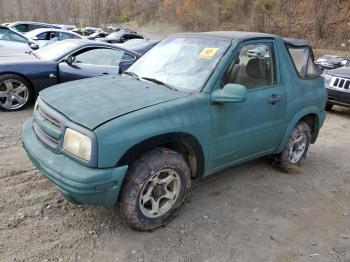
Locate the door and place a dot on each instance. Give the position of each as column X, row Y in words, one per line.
column 91, row 62
column 242, row 131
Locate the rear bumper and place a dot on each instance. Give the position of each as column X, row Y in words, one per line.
column 77, row 183
column 336, row 97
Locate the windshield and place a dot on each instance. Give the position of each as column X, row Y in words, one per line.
column 56, row 50
column 184, row 63
column 115, row 35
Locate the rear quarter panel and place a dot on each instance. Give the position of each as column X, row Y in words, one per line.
column 304, row 96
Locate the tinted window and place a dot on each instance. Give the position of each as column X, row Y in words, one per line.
column 37, row 26
column 127, row 57
column 255, row 67
column 65, row 36
column 101, row 56
column 303, row 62
column 22, row 28
column 43, row 36
column 7, row 35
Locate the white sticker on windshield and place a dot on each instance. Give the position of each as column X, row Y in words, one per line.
column 208, row 53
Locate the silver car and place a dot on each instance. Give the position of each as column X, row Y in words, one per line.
column 13, row 42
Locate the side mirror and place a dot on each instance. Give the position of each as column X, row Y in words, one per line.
column 33, row 46
column 69, row 60
column 231, row 93
column 35, row 38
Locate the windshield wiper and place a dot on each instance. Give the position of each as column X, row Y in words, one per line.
column 158, row 82
column 132, row 74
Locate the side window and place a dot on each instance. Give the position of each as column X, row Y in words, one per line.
column 303, row 62
column 37, row 26
column 22, row 28
column 127, row 57
column 255, row 67
column 10, row 36
column 101, row 56
column 43, row 36
column 65, row 36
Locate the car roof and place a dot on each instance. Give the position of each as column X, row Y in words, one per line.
column 29, row 22
column 296, row 42
column 86, row 42
column 43, row 30
column 242, row 35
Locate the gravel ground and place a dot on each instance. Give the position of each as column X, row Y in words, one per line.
column 247, row 213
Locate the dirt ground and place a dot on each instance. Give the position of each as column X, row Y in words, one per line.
column 247, row 213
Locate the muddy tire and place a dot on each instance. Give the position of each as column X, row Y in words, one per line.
column 15, row 93
column 154, row 189
column 296, row 148
column 329, row 107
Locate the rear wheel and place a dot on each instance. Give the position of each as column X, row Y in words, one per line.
column 329, row 107
column 15, row 93
column 297, row 147
column 154, row 189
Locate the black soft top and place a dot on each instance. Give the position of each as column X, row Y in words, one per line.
column 296, row 42
column 241, row 35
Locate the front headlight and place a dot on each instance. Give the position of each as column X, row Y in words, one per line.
column 77, row 144
column 327, row 78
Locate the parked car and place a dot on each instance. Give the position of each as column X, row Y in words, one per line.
column 329, row 62
column 77, row 31
column 337, row 83
column 43, row 35
column 140, row 46
column 188, row 108
column 99, row 34
column 25, row 26
column 22, row 77
column 260, row 51
column 90, row 30
column 13, row 42
column 120, row 37
column 66, row 27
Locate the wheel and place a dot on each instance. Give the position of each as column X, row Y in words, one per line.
column 154, row 189
column 297, row 147
column 15, row 93
column 329, row 107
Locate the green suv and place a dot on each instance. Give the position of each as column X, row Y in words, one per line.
column 193, row 105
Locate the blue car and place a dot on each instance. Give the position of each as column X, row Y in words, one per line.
column 23, row 76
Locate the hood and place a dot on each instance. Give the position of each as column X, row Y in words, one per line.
column 341, row 72
column 94, row 101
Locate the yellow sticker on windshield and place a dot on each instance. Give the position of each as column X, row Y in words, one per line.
column 208, row 53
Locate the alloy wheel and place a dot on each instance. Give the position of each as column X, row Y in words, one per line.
column 13, row 94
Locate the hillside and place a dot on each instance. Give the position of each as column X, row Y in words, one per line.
column 326, row 23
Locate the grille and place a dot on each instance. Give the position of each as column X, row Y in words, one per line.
column 341, row 83
column 47, row 128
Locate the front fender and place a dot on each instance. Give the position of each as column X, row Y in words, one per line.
column 189, row 115
column 319, row 119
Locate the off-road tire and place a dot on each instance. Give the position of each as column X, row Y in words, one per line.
column 140, row 171
column 282, row 160
column 25, row 83
column 329, row 107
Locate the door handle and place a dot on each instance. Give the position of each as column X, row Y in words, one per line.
column 104, row 74
column 274, row 99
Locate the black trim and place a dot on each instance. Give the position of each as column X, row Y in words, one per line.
column 150, row 143
column 64, row 124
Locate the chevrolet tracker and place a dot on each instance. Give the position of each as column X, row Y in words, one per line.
column 191, row 106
